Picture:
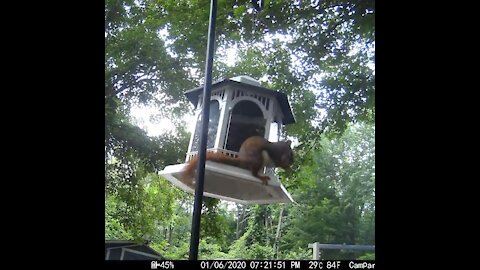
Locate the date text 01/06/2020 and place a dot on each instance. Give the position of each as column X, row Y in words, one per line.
column 240, row 264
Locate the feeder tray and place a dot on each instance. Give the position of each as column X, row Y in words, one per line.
column 230, row 183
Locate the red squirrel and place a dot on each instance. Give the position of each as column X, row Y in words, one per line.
column 255, row 153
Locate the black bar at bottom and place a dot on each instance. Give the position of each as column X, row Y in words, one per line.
column 244, row 264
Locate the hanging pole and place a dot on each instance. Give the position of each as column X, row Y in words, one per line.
column 197, row 205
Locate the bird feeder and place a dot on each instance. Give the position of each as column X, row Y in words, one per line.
column 239, row 108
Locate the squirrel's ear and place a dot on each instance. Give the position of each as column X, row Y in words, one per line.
column 289, row 142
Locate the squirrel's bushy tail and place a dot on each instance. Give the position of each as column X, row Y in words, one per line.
column 189, row 171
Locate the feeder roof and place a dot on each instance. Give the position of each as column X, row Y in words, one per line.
column 193, row 95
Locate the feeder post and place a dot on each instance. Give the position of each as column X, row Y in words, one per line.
column 200, row 177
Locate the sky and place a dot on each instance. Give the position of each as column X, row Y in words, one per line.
column 142, row 113
column 156, row 128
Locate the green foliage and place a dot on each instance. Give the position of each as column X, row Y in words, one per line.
column 242, row 249
column 209, row 251
column 140, row 215
column 320, row 54
column 260, row 252
column 367, row 256
column 158, row 245
column 238, row 249
column 113, row 228
column 258, row 238
column 298, row 254
column 335, row 193
column 216, row 223
column 178, row 252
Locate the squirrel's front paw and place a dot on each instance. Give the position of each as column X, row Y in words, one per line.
column 264, row 180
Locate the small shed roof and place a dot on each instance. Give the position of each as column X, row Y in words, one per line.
column 129, row 250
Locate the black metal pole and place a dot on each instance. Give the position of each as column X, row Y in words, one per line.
column 197, row 205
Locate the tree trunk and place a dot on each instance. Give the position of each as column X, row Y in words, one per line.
column 240, row 220
column 237, row 232
column 265, row 221
column 277, row 235
column 170, row 235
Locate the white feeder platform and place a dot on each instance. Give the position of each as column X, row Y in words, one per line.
column 230, row 183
